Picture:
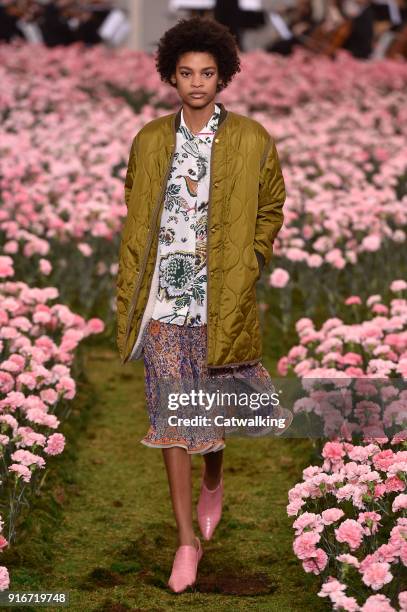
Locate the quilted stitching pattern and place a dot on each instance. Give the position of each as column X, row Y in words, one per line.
column 246, row 201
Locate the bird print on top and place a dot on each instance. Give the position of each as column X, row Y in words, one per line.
column 181, row 298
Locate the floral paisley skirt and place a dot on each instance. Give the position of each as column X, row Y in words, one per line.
column 178, row 353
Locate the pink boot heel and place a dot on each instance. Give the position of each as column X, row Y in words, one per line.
column 209, row 508
column 185, row 567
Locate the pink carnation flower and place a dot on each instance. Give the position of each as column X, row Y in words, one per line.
column 304, row 545
column 27, row 458
column 398, row 285
column 393, row 484
column 377, row 603
column 55, row 444
column 350, row 532
column 3, row 541
column 403, row 601
column 387, row 553
column 370, row 522
column 45, row 266
column 309, row 521
column 317, row 563
column 4, row 578
column 279, row 278
column 21, row 470
column 349, row 559
column 383, row 459
column 331, row 588
column 332, row 515
column 333, row 451
column 353, row 299
column 295, row 506
column 399, row 502
column 342, row 602
column 95, row 326
column 282, row 366
column 352, row 359
column 377, row 575
column 379, row 490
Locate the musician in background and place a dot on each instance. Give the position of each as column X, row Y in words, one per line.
column 360, row 40
column 293, row 25
column 60, row 22
column 88, row 17
column 54, row 25
column 346, row 24
column 11, row 14
column 193, row 8
column 319, row 27
column 390, row 25
column 393, row 12
column 8, row 23
column 385, row 14
column 233, row 15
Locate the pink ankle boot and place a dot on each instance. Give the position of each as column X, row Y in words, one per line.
column 209, row 508
column 185, row 567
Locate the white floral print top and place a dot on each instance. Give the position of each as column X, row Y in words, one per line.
column 181, row 296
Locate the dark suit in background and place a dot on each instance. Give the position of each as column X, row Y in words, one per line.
column 8, row 26
column 360, row 40
column 231, row 15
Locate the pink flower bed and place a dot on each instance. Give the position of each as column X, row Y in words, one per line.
column 38, row 340
column 351, row 525
column 373, row 346
column 263, row 83
column 64, row 152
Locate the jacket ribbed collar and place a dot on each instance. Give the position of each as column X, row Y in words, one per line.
column 223, row 113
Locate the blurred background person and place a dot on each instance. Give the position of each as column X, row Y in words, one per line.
column 319, row 27
column 54, row 23
column 14, row 14
column 391, row 11
column 360, row 40
column 193, row 8
column 292, row 25
column 88, row 18
column 239, row 16
column 336, row 24
column 390, row 28
column 8, row 23
column 68, row 21
column 368, row 29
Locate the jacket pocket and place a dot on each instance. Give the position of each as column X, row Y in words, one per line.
column 259, row 263
column 251, row 264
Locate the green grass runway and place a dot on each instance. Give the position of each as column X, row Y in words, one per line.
column 102, row 527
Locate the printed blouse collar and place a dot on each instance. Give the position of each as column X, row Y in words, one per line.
column 209, row 128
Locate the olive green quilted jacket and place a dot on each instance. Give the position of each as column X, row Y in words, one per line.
column 246, row 197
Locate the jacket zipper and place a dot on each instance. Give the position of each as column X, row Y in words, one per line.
column 147, row 251
column 236, row 365
column 208, row 230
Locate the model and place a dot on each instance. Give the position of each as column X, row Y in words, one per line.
column 204, row 192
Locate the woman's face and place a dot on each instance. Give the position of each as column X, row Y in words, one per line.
column 196, row 78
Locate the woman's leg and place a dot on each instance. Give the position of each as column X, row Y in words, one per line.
column 213, row 469
column 178, row 465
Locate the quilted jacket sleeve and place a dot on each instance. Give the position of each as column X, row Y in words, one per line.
column 131, row 168
column 272, row 196
column 122, row 297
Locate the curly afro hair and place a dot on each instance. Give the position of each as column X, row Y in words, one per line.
column 198, row 34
